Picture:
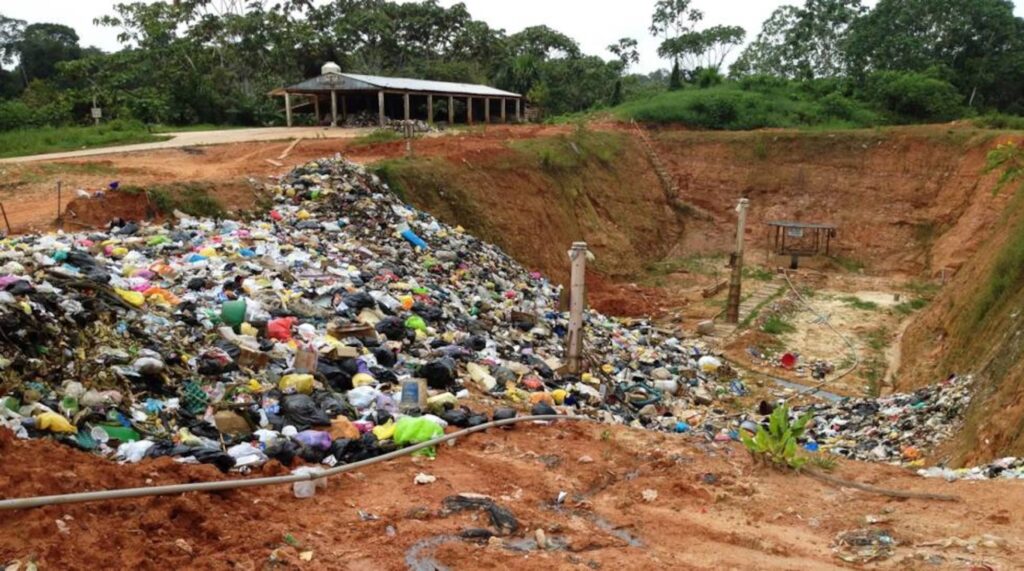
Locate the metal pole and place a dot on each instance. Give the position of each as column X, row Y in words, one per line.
column 733, row 309
column 577, row 301
column 60, row 219
column 334, row 108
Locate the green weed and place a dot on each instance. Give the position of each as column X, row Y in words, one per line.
column 375, row 137
column 777, row 444
column 908, row 307
column 777, row 325
column 191, row 198
column 857, row 303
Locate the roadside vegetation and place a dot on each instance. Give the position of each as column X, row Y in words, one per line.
column 56, row 139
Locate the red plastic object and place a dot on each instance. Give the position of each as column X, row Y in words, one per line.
column 788, row 360
column 281, row 328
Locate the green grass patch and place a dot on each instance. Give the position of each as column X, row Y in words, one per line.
column 1000, row 121
column 26, row 142
column 851, row 265
column 908, row 307
column 376, row 137
column 924, row 289
column 758, row 274
column 572, row 152
column 858, row 303
column 194, row 128
column 777, row 325
column 735, row 107
column 191, row 198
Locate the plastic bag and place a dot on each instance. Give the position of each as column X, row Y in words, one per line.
column 362, row 397
column 297, row 383
column 300, row 411
column 413, row 430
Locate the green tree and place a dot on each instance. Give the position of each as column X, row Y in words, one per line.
column 670, row 20
column 802, row 42
column 980, row 42
column 42, row 46
column 626, row 51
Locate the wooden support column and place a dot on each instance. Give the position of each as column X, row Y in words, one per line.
column 316, row 108
column 430, row 109
column 518, row 116
column 288, row 108
column 334, row 108
column 469, row 110
column 577, row 303
column 451, row 110
column 487, row 109
column 405, row 98
column 503, row 109
column 732, row 310
column 380, row 106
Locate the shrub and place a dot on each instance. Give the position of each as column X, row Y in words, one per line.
column 913, row 97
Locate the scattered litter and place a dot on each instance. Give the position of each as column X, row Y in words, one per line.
column 864, row 545
column 422, row 479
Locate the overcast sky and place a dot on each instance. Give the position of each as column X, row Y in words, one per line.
column 593, row 23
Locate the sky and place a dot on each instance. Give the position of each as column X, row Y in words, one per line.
column 593, row 23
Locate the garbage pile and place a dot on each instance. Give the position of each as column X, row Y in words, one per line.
column 1009, row 468
column 341, row 325
column 897, row 429
column 366, row 119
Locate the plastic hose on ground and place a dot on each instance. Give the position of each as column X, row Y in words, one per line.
column 853, row 349
column 39, row 501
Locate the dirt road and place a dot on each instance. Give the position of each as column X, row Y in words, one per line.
column 202, row 138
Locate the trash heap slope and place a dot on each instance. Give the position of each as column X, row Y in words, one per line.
column 183, row 338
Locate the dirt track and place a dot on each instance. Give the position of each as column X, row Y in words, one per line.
column 714, row 510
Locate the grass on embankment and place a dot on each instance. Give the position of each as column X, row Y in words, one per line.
column 730, row 107
column 24, row 142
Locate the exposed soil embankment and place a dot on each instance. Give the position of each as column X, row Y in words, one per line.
column 904, row 200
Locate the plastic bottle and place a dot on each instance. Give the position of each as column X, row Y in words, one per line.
column 414, row 395
column 481, row 377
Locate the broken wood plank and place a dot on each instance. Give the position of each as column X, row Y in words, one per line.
column 288, row 150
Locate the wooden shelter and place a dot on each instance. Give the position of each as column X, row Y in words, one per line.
column 795, row 239
column 345, row 93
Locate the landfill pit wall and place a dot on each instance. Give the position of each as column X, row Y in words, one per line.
column 912, row 201
column 534, row 198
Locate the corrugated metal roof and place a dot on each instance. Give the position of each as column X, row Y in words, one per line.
column 355, row 81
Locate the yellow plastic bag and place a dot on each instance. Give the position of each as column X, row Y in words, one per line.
column 363, row 380
column 133, row 298
column 298, row 383
column 385, row 431
column 54, row 423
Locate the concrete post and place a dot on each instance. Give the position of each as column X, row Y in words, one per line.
column 577, row 303
column 519, row 117
column 732, row 314
column 503, row 109
column 451, row 110
column 405, row 98
column 334, row 108
column 288, row 108
column 380, row 106
column 487, row 110
column 430, row 109
column 469, row 110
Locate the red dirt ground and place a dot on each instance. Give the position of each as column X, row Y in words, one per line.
column 714, row 510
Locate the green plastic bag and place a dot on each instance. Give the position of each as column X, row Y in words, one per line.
column 413, row 430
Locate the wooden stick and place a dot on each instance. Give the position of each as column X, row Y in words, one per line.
column 881, row 491
column 6, row 221
column 288, row 150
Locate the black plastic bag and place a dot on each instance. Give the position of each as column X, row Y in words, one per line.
column 301, row 412
column 440, row 374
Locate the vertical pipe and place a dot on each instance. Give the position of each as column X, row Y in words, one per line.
column 577, row 302
column 733, row 309
column 334, row 108
column 60, row 219
column 380, row 106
